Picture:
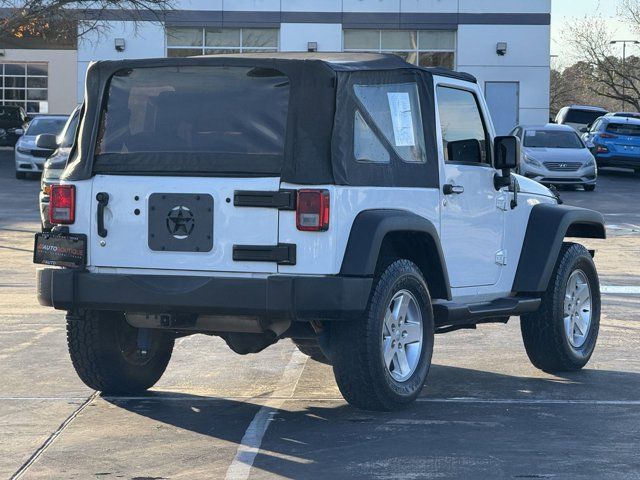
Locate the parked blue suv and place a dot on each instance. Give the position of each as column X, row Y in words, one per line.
column 615, row 142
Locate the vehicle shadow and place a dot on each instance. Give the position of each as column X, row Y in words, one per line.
column 438, row 436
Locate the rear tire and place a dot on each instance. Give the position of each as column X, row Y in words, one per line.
column 561, row 336
column 381, row 362
column 312, row 349
column 589, row 188
column 104, row 351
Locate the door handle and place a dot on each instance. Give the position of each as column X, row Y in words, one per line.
column 450, row 189
column 103, row 201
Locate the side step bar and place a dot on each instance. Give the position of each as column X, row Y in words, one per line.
column 455, row 314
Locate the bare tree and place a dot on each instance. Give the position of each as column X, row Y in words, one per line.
column 57, row 19
column 606, row 74
column 561, row 91
column 629, row 10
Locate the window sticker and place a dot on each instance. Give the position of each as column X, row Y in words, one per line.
column 402, row 119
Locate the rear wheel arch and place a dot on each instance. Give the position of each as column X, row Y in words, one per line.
column 378, row 237
column 548, row 226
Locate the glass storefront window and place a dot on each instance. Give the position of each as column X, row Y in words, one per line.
column 427, row 48
column 25, row 85
column 215, row 41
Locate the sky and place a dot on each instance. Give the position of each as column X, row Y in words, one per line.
column 567, row 11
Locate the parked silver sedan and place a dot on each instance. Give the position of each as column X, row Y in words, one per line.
column 555, row 155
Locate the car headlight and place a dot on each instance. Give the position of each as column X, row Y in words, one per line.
column 532, row 161
column 590, row 163
column 23, row 150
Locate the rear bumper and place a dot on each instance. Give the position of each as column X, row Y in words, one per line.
column 299, row 298
column 621, row 161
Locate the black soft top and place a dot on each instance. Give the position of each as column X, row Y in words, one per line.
column 311, row 154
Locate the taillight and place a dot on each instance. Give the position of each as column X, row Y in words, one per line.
column 608, row 135
column 312, row 210
column 602, row 149
column 62, row 204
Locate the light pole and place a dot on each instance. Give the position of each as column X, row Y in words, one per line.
column 624, row 67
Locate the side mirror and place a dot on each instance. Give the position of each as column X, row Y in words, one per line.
column 584, row 130
column 47, row 141
column 506, row 151
column 19, row 131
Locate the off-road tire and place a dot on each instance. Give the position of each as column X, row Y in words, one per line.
column 543, row 332
column 21, row 175
column 312, row 349
column 589, row 188
column 100, row 346
column 356, row 349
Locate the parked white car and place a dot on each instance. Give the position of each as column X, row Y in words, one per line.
column 29, row 158
column 556, row 155
column 580, row 117
column 355, row 203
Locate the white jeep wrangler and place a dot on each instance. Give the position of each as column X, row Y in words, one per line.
column 354, row 203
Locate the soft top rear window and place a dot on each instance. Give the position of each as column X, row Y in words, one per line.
column 194, row 118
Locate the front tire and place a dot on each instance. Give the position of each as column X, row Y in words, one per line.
column 381, row 362
column 106, row 353
column 561, row 336
column 21, row 175
column 589, row 188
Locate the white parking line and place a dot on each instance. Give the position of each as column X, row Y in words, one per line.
column 530, row 401
column 249, row 447
column 620, row 289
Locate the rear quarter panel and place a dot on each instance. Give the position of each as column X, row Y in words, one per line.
column 321, row 253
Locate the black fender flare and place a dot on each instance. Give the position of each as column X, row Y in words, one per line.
column 368, row 232
column 548, row 226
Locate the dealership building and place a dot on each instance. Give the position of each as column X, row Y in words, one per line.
column 504, row 43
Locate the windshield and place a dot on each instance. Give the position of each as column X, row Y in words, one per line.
column 551, row 139
column 69, row 133
column 12, row 114
column 630, row 130
column 217, row 114
column 582, row 117
column 38, row 126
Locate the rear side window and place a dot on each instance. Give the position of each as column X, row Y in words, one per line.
column 233, row 111
column 464, row 135
column 394, row 110
column 367, row 147
column 624, row 129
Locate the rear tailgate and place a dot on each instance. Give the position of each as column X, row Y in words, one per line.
column 179, row 223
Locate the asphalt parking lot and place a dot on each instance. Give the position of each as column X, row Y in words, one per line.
column 485, row 412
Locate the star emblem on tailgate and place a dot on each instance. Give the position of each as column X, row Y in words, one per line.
column 180, row 222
